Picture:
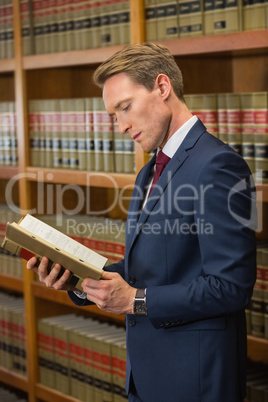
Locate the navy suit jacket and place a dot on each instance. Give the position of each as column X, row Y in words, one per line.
column 193, row 247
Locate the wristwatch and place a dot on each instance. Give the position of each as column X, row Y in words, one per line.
column 139, row 302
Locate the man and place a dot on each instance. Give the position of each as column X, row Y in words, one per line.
column 190, row 244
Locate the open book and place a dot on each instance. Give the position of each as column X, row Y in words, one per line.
column 32, row 237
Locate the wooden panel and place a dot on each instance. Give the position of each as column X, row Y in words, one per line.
column 7, row 92
column 250, row 73
column 13, row 379
column 206, row 75
column 7, row 65
column 258, row 349
column 137, row 17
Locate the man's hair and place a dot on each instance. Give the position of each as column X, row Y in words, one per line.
column 142, row 63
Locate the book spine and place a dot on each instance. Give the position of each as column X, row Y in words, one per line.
column 208, row 16
column 190, row 16
column 254, row 15
column 124, row 22
column 99, row 129
column 222, row 118
column 95, row 25
column 150, row 20
column 260, row 106
column 234, row 124
column 247, row 112
column 226, row 16
column 89, row 128
column 34, row 127
column 114, row 22
column 46, row 354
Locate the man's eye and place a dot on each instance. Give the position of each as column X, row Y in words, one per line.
column 126, row 108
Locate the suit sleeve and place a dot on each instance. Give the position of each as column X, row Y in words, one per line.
column 227, row 259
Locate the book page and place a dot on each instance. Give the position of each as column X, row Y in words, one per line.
column 62, row 241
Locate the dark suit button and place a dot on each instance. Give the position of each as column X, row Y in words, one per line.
column 132, row 322
column 132, row 280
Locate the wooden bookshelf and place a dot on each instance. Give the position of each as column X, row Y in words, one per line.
column 13, row 379
column 210, row 64
column 11, row 283
column 7, row 172
column 258, row 349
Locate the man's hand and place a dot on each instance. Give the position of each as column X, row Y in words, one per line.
column 50, row 280
column 111, row 294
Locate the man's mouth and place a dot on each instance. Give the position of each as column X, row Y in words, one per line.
column 136, row 137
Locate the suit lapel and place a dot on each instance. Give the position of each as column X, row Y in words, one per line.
column 175, row 163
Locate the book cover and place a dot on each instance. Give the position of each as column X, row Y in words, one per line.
column 33, row 237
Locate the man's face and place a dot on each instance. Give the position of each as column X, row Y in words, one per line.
column 142, row 114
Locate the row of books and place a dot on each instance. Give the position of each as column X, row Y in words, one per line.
column 169, row 19
column 6, row 30
column 82, row 357
column 257, row 311
column 12, row 334
column 8, row 134
column 257, row 383
column 78, row 134
column 241, row 121
column 58, row 25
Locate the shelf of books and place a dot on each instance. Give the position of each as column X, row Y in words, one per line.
column 53, row 130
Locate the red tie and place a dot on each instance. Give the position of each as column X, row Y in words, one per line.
column 160, row 164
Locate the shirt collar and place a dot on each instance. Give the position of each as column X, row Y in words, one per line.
column 176, row 139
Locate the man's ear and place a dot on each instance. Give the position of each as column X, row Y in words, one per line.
column 162, row 82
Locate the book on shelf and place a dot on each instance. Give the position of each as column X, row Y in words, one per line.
column 254, row 15
column 166, row 19
column 77, row 356
column 257, row 311
column 234, row 125
column 190, row 18
column 32, row 237
column 260, row 115
column 13, row 334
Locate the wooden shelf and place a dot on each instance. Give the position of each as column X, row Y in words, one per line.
column 11, row 283
column 262, row 192
column 7, row 65
column 82, row 178
column 258, row 349
column 15, row 380
column 48, row 394
column 61, row 297
column 65, row 59
column 7, row 172
column 246, row 42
